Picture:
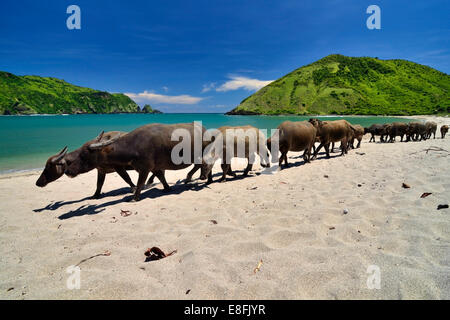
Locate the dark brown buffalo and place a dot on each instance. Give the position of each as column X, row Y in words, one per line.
column 376, row 130
column 416, row 131
column 444, row 130
column 332, row 131
column 145, row 149
column 399, row 129
column 431, row 129
column 245, row 134
column 295, row 136
column 358, row 134
column 56, row 165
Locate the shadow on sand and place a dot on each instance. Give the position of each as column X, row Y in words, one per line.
column 97, row 208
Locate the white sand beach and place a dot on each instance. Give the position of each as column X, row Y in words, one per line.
column 293, row 221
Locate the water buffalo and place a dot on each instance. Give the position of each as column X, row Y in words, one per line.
column 56, row 165
column 145, row 149
column 444, row 130
column 431, row 129
column 397, row 129
column 246, row 141
column 295, row 136
column 332, row 131
column 416, row 131
column 377, row 130
column 358, row 135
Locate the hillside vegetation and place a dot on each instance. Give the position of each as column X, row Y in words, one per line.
column 34, row 95
column 338, row 84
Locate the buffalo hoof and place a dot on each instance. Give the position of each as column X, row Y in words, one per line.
column 133, row 189
column 96, row 196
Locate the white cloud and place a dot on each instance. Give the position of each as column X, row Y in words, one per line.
column 208, row 87
column 238, row 82
column 160, row 98
column 165, row 89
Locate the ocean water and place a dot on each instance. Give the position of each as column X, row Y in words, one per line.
column 26, row 142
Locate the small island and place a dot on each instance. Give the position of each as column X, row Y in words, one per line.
column 148, row 109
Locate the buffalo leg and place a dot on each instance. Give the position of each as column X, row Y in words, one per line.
column 124, row 175
column 160, row 175
column 317, row 150
column 151, row 179
column 210, row 177
column 352, row 144
column 280, row 162
column 140, row 184
column 306, row 155
column 359, row 144
column 284, row 157
column 100, row 180
column 344, row 147
column 327, row 149
column 225, row 168
column 249, row 167
column 191, row 173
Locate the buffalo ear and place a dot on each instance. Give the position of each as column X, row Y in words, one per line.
column 100, row 136
column 60, row 155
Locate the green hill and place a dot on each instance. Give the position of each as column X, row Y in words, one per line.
column 338, row 84
column 33, row 94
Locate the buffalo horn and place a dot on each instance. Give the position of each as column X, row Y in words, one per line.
column 61, row 155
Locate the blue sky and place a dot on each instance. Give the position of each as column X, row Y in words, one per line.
column 207, row 56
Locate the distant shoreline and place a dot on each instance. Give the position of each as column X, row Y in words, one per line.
column 266, row 115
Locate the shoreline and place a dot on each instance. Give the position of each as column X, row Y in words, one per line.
column 34, row 171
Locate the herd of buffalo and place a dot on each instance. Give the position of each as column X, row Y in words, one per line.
column 148, row 149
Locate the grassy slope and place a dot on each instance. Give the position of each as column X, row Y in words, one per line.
column 33, row 94
column 338, row 84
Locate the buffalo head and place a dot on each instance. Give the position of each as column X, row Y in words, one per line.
column 54, row 168
column 88, row 155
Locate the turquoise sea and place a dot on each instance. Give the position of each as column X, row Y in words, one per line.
column 26, row 142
